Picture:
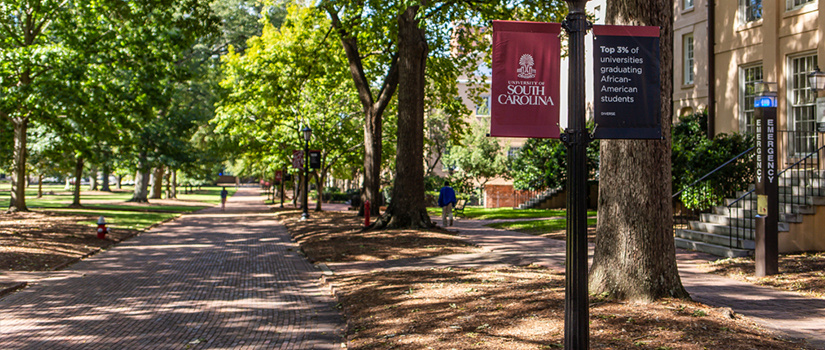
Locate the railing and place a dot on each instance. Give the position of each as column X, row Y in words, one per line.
column 798, row 182
column 523, row 196
column 804, row 178
column 738, row 231
column 703, row 197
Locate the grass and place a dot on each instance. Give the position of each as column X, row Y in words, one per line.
column 113, row 206
column 537, row 227
column 132, row 220
column 507, row 213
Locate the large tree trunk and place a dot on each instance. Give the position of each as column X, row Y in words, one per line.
column 92, row 178
column 40, row 186
column 172, row 185
column 78, row 174
column 141, row 177
column 373, row 110
column 372, row 163
column 635, row 254
column 18, row 176
column 319, row 186
column 407, row 208
column 157, row 184
column 107, row 169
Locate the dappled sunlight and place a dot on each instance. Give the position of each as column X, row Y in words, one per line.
column 220, row 277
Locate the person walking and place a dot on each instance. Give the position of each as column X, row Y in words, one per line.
column 447, row 200
column 224, row 193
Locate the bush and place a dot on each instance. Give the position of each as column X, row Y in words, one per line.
column 694, row 156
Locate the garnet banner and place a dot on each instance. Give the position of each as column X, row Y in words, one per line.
column 525, row 88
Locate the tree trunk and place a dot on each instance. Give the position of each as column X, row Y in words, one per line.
column 141, row 177
column 407, row 208
column 40, row 186
column 78, row 175
column 92, row 178
column 373, row 111
column 120, row 182
column 18, row 175
column 157, row 184
column 319, row 184
column 173, row 189
column 107, row 169
column 635, row 255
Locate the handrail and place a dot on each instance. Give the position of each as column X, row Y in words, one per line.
column 713, row 171
column 801, row 160
column 730, row 227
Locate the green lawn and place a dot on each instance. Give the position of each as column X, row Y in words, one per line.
column 507, row 213
column 537, row 227
column 113, row 205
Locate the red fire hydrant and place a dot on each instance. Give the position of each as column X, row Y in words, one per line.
column 101, row 228
column 366, row 213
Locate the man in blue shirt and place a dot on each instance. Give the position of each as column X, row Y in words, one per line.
column 447, row 200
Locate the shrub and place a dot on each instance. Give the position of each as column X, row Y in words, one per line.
column 694, row 155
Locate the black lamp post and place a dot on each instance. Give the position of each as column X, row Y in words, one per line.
column 307, row 134
column 576, row 138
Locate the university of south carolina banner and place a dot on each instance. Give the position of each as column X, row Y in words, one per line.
column 525, row 90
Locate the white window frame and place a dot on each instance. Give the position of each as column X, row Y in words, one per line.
column 483, row 109
column 688, row 59
column 801, row 116
column 744, row 7
column 795, row 4
column 746, row 100
column 688, row 4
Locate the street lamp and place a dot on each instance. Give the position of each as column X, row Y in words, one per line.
column 817, row 80
column 307, row 135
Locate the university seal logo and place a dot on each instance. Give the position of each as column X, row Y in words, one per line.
column 526, row 71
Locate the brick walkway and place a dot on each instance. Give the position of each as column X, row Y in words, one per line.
column 209, row 280
column 783, row 312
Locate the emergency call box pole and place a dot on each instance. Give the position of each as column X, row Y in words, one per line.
column 767, row 186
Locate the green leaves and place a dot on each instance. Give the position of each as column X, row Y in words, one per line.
column 694, row 155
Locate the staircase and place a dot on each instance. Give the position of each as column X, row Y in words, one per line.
column 728, row 231
column 541, row 198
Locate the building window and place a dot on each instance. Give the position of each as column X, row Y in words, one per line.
column 802, row 107
column 750, row 10
column 794, row 4
column 687, row 59
column 748, row 78
column 483, row 108
column 512, row 152
column 687, row 4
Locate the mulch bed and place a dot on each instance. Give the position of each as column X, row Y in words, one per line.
column 505, row 308
column 337, row 237
column 522, row 308
column 42, row 241
column 802, row 273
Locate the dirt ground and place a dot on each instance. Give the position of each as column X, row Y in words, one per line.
column 802, row 273
column 40, row 241
column 337, row 237
column 522, row 308
column 512, row 308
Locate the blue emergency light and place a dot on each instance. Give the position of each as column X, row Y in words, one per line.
column 764, row 101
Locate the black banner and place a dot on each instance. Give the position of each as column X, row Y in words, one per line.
column 627, row 101
column 315, row 159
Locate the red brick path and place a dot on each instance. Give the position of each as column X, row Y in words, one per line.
column 209, row 280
